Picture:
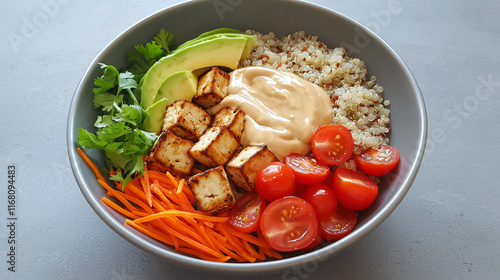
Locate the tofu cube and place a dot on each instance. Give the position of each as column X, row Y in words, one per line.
column 186, row 120
column 233, row 119
column 170, row 153
column 243, row 167
column 215, row 147
column 212, row 88
column 212, row 190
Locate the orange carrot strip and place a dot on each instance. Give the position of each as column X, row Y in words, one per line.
column 117, row 194
column 272, row 253
column 163, row 230
column 148, row 232
column 241, row 252
column 146, row 186
column 156, row 189
column 162, row 178
column 138, row 202
column 89, row 162
column 250, row 249
column 262, row 254
column 185, row 204
column 222, row 246
column 236, row 244
column 203, row 256
column 140, row 213
column 174, row 181
column 174, row 223
column 202, row 229
column 245, row 236
column 193, row 243
column 208, row 224
column 180, row 186
column 178, row 213
column 117, row 208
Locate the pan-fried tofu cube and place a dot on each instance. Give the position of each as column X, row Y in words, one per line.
column 243, row 167
column 212, row 88
column 234, row 119
column 170, row 153
column 212, row 190
column 215, row 147
column 186, row 120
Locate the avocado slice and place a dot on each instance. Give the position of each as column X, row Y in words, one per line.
column 220, row 51
column 154, row 116
column 178, row 86
column 218, row 31
column 210, row 34
column 198, row 40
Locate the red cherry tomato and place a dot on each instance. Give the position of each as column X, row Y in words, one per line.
column 300, row 189
column 338, row 225
column 307, row 169
column 323, row 200
column 332, row 144
column 329, row 180
column 378, row 162
column 289, row 224
column 315, row 242
column 246, row 212
column 354, row 190
column 275, row 180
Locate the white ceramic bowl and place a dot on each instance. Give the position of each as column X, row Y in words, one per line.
column 189, row 19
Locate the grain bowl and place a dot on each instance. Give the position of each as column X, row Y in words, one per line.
column 407, row 129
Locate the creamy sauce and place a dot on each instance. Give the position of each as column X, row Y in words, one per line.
column 282, row 110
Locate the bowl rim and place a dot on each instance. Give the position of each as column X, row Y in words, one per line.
column 260, row 267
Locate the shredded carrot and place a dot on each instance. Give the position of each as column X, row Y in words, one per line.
column 118, row 208
column 178, row 213
column 146, row 186
column 89, row 162
column 185, row 204
column 160, row 206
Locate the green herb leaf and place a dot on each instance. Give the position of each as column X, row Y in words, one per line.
column 103, row 121
column 107, row 101
column 118, row 133
column 89, row 140
column 133, row 114
column 126, row 81
column 108, row 79
column 164, row 39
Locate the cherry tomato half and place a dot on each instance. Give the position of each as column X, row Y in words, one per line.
column 246, row 212
column 275, row 180
column 378, row 162
column 332, row 144
column 338, row 225
column 315, row 242
column 354, row 190
column 289, row 224
column 307, row 169
column 323, row 200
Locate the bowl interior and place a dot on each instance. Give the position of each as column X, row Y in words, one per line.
column 186, row 21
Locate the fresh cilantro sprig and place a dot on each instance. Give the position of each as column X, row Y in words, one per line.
column 118, row 133
column 117, row 95
column 146, row 55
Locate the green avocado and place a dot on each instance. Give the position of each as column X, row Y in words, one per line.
column 178, row 86
column 219, row 31
column 154, row 116
column 225, row 51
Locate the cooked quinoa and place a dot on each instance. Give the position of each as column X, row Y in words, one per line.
column 358, row 102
